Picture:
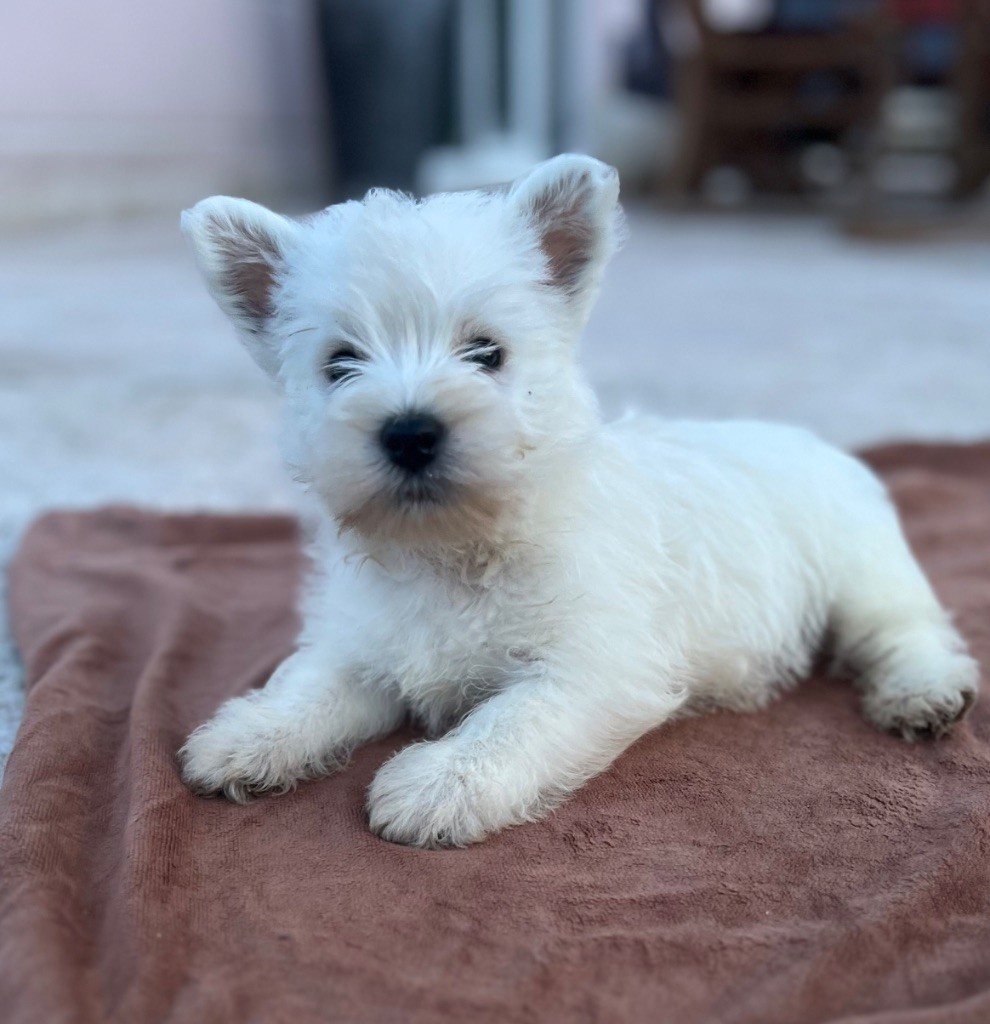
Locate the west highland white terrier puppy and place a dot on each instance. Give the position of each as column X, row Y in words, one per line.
column 537, row 588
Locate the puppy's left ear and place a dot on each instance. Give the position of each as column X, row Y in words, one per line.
column 240, row 248
column 573, row 202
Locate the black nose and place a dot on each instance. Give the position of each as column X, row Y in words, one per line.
column 412, row 440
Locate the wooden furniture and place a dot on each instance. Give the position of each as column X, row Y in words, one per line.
column 971, row 82
column 750, row 99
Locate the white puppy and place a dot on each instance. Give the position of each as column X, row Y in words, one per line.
column 536, row 588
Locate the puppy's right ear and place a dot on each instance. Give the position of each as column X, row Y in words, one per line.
column 240, row 248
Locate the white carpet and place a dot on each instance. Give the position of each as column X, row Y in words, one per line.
column 119, row 381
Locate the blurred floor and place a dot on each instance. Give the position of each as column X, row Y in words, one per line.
column 783, row 317
column 119, row 380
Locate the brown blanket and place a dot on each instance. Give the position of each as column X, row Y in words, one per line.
column 789, row 866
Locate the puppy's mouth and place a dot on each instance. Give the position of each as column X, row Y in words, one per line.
column 425, row 508
column 425, row 490
column 405, row 500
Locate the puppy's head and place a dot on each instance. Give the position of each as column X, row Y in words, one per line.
column 425, row 349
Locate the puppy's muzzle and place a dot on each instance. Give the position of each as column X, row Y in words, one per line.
column 412, row 440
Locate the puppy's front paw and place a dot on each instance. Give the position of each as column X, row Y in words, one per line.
column 231, row 756
column 216, row 763
column 423, row 797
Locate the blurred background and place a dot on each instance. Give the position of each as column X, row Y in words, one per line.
column 805, row 180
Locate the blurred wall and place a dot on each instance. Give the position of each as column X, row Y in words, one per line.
column 128, row 105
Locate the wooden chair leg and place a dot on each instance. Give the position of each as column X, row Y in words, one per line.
column 697, row 146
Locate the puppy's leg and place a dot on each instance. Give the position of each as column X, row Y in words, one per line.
column 513, row 758
column 913, row 669
column 304, row 722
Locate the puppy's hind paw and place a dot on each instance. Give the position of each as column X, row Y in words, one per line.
column 924, row 706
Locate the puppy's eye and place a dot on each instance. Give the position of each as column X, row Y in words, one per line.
column 486, row 353
column 340, row 366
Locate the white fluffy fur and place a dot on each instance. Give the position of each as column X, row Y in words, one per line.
column 579, row 584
